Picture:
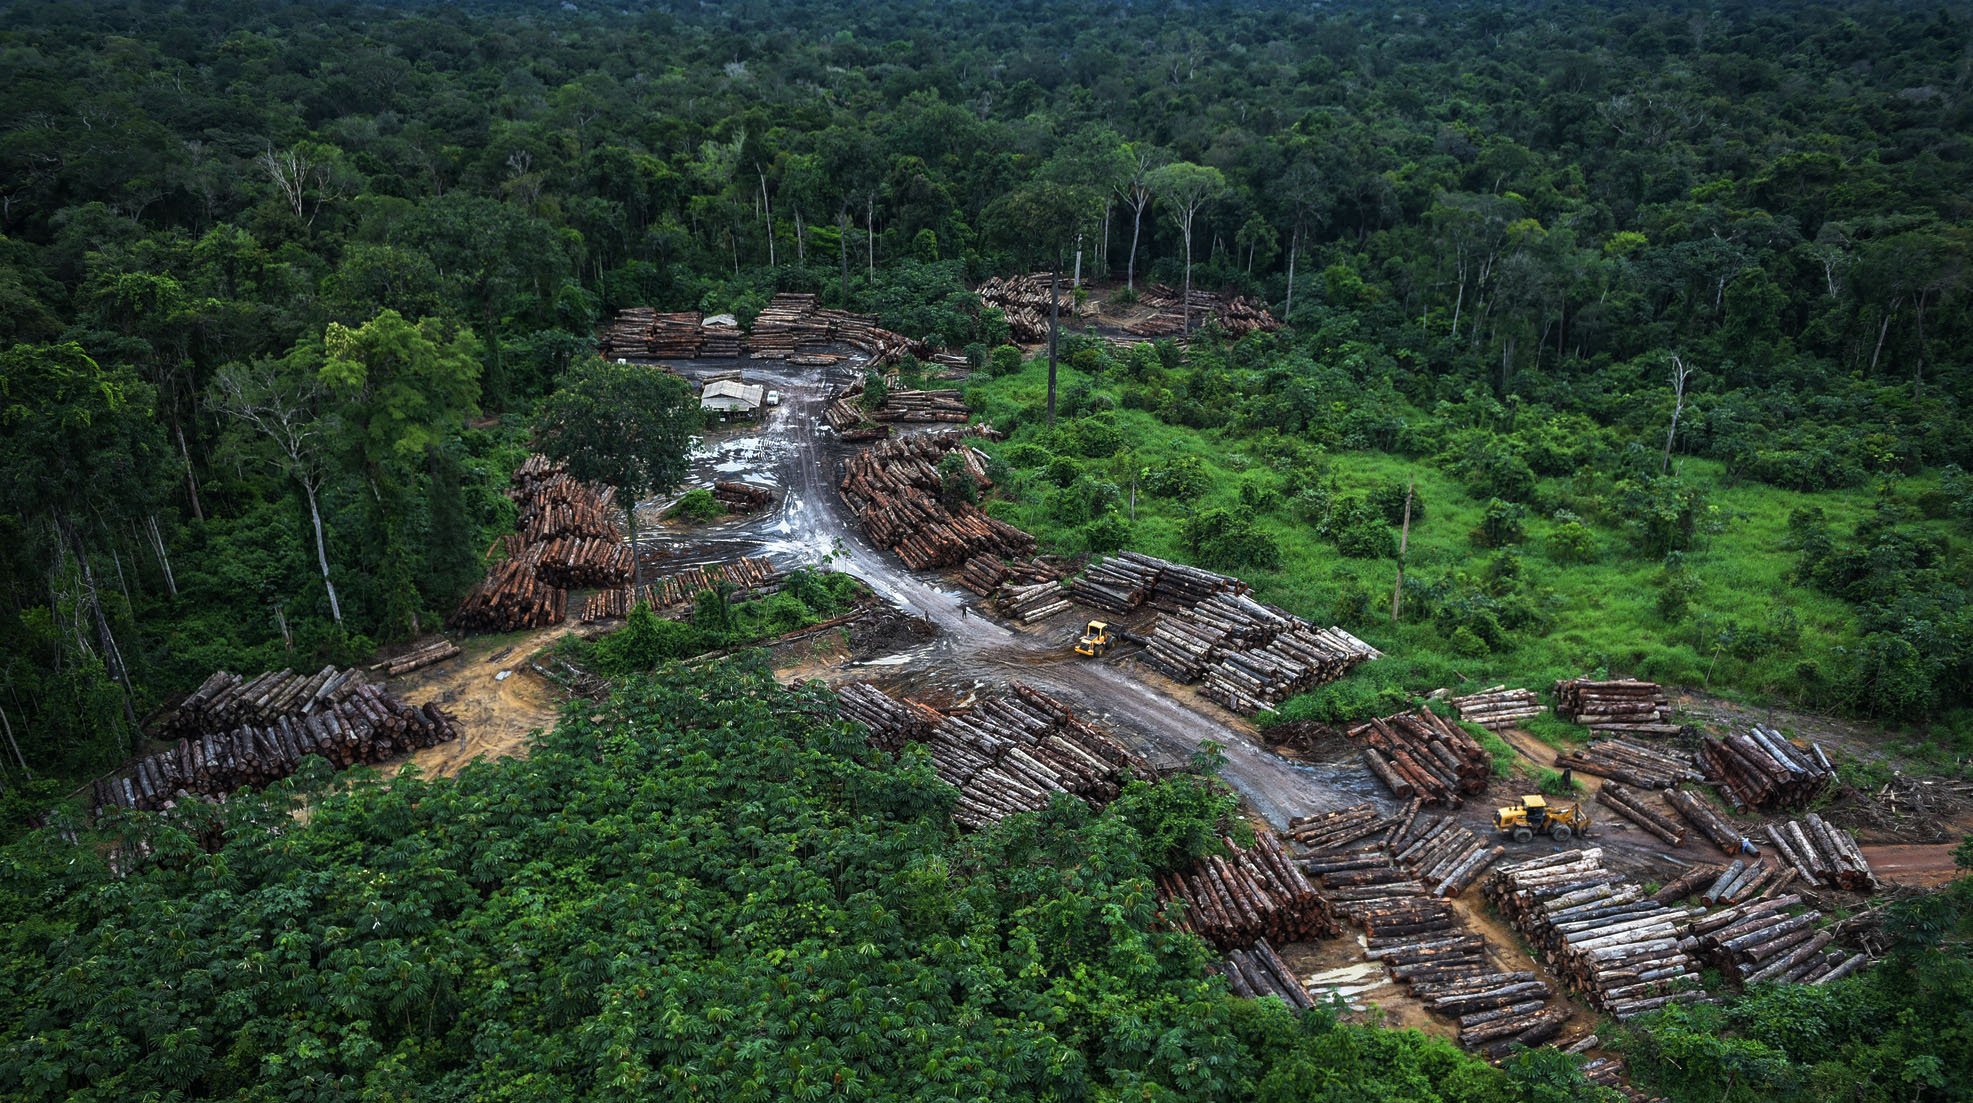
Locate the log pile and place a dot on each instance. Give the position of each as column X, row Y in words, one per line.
column 1419, row 754
column 744, row 575
column 1032, row 603
column 1633, row 763
column 1238, row 316
column 922, row 406
column 984, row 574
column 1025, row 302
column 1446, row 857
column 740, row 497
column 1759, row 768
column 1298, row 659
column 578, row 562
column 1247, row 895
column 1333, row 830
column 418, row 658
column 641, row 333
column 1498, row 707
column 1707, row 820
column 226, row 700
column 1623, row 705
column 1007, row 754
column 1117, row 585
column 1763, row 941
column 1822, row 853
column 360, row 725
column 510, row 598
column 893, row 488
column 793, row 320
column 1640, row 810
column 1258, row 971
column 1599, row 933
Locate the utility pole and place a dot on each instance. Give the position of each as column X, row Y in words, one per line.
column 1404, row 538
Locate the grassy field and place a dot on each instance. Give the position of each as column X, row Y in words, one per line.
column 1602, row 616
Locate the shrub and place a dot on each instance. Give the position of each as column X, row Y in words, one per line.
column 1367, row 540
column 1108, row 532
column 976, row 356
column 1221, row 540
column 875, row 390
column 1388, row 500
column 1183, row 478
column 957, row 486
column 1500, row 525
column 698, row 505
column 1005, row 360
column 1572, row 542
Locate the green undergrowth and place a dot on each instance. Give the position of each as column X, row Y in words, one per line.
column 716, row 622
column 1561, row 586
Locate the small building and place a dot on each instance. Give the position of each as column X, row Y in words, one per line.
column 732, row 398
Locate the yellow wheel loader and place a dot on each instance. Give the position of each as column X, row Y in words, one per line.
column 1096, row 640
column 1535, row 816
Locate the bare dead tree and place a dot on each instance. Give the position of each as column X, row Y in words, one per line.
column 280, row 406
column 1680, row 373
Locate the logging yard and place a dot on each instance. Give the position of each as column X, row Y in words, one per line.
column 1723, row 848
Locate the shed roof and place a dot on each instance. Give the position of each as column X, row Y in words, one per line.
column 748, row 393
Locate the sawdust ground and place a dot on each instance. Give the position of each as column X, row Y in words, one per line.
column 495, row 714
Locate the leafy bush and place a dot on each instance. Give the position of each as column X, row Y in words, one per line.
column 1227, row 542
column 957, row 486
column 697, row 505
column 1389, row 498
column 1005, row 360
column 1183, row 478
column 1500, row 525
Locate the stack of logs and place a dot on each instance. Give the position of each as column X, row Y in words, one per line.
column 793, row 320
column 1623, row 705
column 1707, row 819
column 1258, row 971
column 1127, row 580
column 227, row 700
column 1419, row 754
column 984, row 574
column 1417, row 935
column 922, row 406
column 1445, row 856
column 1822, row 853
column 1498, row 707
column 1252, row 656
column 565, row 537
column 643, row 333
column 894, row 490
column 418, row 658
column 360, row 724
column 745, row 576
column 1640, row 810
column 1026, row 302
column 1632, row 763
column 1246, row 895
column 1600, row 934
column 1034, row 602
column 1761, row 940
column 740, row 497
column 1759, row 768
column 1007, row 754
column 1238, row 316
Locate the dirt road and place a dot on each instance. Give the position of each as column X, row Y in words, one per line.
column 791, row 450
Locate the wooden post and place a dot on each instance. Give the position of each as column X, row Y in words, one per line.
column 1404, row 538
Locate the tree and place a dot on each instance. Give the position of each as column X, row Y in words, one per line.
column 280, row 401
column 1138, row 186
column 1185, row 188
column 623, row 424
column 1039, row 220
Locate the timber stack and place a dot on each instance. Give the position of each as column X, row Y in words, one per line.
column 1445, row 856
column 1007, row 754
column 1258, row 971
column 1330, row 831
column 1633, row 763
column 892, row 721
column 1252, row 656
column 418, row 658
column 1026, row 302
column 1031, row 603
column 1623, row 705
column 1600, row 934
column 1707, row 819
column 361, row 724
column 1498, row 707
column 849, row 419
column 1642, row 811
column 1419, row 754
column 642, row 333
column 565, row 536
column 794, row 320
column 1762, row 940
column 894, row 490
column 743, row 576
column 579, row 562
column 1760, row 768
column 1115, row 585
column 740, row 497
column 1246, row 895
column 1238, row 316
column 1822, row 853
column 511, row 597
column 226, row 700
column 922, row 406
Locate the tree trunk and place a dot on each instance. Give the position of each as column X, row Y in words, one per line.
column 801, row 245
column 842, row 243
column 1103, row 262
column 870, row 233
column 112, row 655
column 322, row 550
column 1130, row 270
column 191, row 480
column 164, row 559
column 1054, row 326
column 1404, row 538
column 767, row 210
column 7, row 726
column 1294, row 242
column 1185, row 310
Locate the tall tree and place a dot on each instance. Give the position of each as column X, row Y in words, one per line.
column 626, row 425
column 1137, row 187
column 1185, row 189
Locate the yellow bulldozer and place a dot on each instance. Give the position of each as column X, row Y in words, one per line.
column 1535, row 816
column 1096, row 640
